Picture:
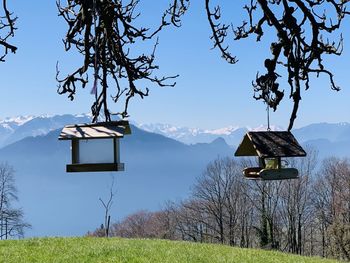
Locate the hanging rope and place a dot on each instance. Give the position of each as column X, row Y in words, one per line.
column 96, row 69
column 268, row 118
column 268, row 113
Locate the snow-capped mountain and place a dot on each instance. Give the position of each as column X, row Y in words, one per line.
column 332, row 132
column 9, row 125
column 188, row 135
column 330, row 139
column 265, row 128
column 17, row 128
column 14, row 122
column 232, row 134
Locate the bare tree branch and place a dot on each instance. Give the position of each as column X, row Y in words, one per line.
column 104, row 32
column 300, row 46
column 107, row 205
column 7, row 31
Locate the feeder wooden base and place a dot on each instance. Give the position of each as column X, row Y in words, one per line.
column 279, row 174
column 95, row 167
column 258, row 173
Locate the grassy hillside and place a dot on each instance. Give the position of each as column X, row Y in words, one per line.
column 134, row 250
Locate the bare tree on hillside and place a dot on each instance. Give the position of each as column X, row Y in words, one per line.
column 12, row 223
column 263, row 198
column 194, row 223
column 308, row 216
column 133, row 226
column 107, row 205
column 332, row 208
column 324, row 200
column 143, row 224
column 332, row 203
column 296, row 203
column 218, row 193
column 266, row 199
column 211, row 191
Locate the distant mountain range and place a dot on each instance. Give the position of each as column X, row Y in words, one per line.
column 158, row 168
column 17, row 128
column 333, row 132
column 330, row 139
column 232, row 134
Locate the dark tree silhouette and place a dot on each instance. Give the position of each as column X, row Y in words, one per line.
column 7, row 30
column 176, row 10
column 12, row 222
column 107, row 205
column 105, row 34
column 303, row 29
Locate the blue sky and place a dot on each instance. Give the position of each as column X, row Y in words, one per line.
column 209, row 93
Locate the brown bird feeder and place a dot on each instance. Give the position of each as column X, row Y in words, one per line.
column 270, row 147
column 95, row 147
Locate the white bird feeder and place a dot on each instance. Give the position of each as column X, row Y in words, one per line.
column 95, row 147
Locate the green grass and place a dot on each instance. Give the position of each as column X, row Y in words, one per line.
column 134, row 250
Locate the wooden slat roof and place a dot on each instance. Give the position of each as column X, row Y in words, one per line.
column 115, row 129
column 270, row 144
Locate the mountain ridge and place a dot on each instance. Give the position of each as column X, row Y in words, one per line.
column 17, row 128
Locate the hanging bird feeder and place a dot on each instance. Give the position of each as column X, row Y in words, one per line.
column 270, row 147
column 95, row 147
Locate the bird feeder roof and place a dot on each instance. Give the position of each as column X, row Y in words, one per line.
column 270, row 144
column 101, row 130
